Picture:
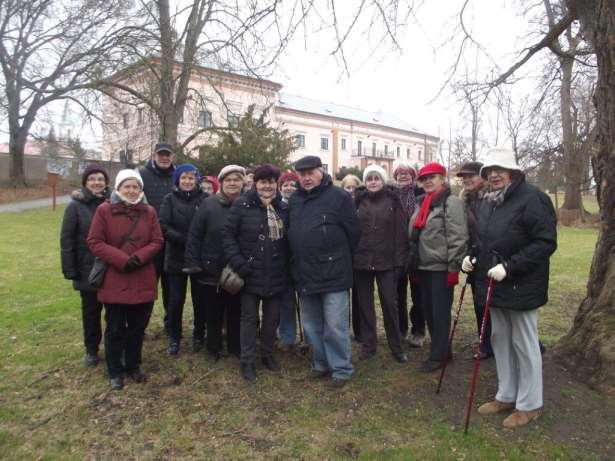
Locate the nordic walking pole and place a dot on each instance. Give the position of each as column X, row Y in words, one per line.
column 295, row 298
column 483, row 329
column 450, row 338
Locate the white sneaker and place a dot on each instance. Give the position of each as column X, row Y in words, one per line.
column 416, row 340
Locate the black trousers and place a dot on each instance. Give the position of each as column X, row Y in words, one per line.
column 164, row 285
column 437, row 300
column 417, row 319
column 126, row 325
column 356, row 318
column 177, row 298
column 91, row 311
column 249, row 325
column 387, row 292
column 479, row 307
column 214, row 302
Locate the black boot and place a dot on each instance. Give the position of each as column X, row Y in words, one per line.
column 271, row 363
column 117, row 383
column 173, row 348
column 91, row 359
column 248, row 371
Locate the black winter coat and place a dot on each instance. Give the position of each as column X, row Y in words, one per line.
column 76, row 257
column 521, row 233
column 176, row 213
column 384, row 230
column 204, row 246
column 262, row 262
column 323, row 234
column 157, row 183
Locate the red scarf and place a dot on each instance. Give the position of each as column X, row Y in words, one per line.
column 421, row 216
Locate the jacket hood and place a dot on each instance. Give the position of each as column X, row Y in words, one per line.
column 84, row 195
column 115, row 199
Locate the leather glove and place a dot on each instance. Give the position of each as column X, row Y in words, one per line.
column 467, row 265
column 452, row 279
column 132, row 264
column 497, row 273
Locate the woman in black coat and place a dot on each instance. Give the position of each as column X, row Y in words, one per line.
column 205, row 259
column 77, row 260
column 255, row 244
column 176, row 213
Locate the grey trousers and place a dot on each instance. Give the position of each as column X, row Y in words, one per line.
column 514, row 338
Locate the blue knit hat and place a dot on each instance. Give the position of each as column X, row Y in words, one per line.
column 185, row 168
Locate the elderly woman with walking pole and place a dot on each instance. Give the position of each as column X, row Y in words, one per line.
column 517, row 235
column 438, row 237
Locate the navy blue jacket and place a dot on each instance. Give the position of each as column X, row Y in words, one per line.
column 157, row 183
column 323, row 233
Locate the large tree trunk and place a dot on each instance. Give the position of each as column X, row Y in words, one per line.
column 589, row 348
column 572, row 208
column 17, row 147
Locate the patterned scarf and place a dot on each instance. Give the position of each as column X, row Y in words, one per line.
column 408, row 199
column 497, row 196
column 274, row 223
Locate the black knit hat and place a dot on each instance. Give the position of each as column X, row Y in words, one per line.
column 266, row 171
column 93, row 168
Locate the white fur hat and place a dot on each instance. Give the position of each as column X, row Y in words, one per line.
column 228, row 169
column 375, row 169
column 499, row 157
column 123, row 175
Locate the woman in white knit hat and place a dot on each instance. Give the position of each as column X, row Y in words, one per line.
column 381, row 255
column 126, row 235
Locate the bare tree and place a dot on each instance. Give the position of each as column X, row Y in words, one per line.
column 48, row 52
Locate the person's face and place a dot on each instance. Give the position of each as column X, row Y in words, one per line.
column 130, row 189
column 249, row 180
column 350, row 187
column 374, row 182
column 309, row 179
column 404, row 177
column 498, row 178
column 432, row 182
column 207, row 187
column 287, row 189
column 95, row 183
column 266, row 189
column 471, row 182
column 164, row 159
column 187, row 181
column 232, row 184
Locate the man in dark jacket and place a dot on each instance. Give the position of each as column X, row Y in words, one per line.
column 517, row 233
column 157, row 176
column 323, row 233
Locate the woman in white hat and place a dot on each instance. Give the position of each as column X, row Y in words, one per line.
column 126, row 235
column 517, row 234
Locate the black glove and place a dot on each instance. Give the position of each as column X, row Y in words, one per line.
column 72, row 276
column 132, row 264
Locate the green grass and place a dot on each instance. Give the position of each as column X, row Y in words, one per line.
column 53, row 408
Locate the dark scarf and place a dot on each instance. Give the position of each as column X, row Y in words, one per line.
column 408, row 199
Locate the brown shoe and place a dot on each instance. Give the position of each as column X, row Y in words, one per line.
column 520, row 418
column 491, row 408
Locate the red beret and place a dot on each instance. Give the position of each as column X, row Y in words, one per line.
column 432, row 168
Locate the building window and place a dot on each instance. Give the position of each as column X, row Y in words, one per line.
column 386, row 149
column 205, row 120
column 398, row 151
column 140, row 116
column 408, row 153
column 300, row 141
column 359, row 148
column 324, row 143
column 233, row 120
column 125, row 120
column 343, row 143
column 420, row 155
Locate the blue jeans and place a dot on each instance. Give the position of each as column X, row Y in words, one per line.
column 325, row 322
column 288, row 318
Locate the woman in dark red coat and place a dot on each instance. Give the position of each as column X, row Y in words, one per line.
column 126, row 235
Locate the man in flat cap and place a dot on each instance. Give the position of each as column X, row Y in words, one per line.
column 157, row 176
column 323, row 234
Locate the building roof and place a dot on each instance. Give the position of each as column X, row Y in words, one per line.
column 328, row 109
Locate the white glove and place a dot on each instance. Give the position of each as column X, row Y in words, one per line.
column 497, row 273
column 467, row 265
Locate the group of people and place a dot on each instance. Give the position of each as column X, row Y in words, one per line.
column 264, row 239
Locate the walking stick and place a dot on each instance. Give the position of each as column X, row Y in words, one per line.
column 450, row 338
column 298, row 315
column 483, row 329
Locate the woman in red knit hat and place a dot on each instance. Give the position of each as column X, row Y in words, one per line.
column 438, row 238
